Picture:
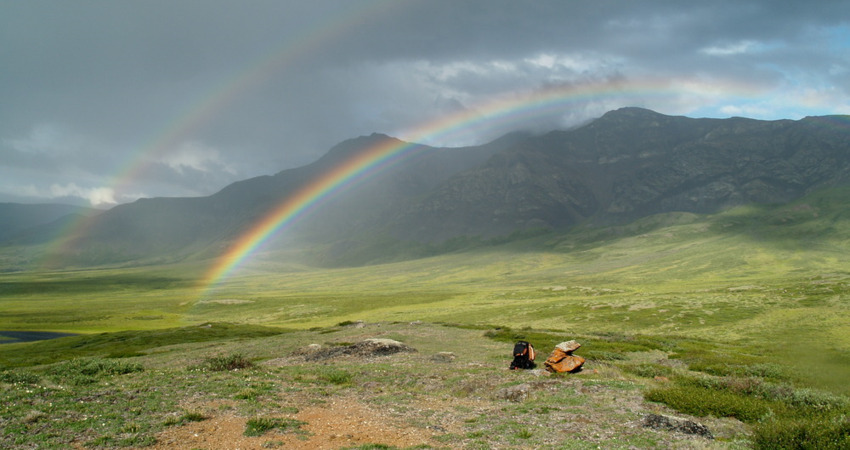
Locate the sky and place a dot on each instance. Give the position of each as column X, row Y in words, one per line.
column 105, row 102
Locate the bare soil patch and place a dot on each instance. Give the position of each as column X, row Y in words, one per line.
column 343, row 422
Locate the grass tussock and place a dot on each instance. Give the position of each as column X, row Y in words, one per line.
column 259, row 426
column 335, row 376
column 191, row 416
column 225, row 363
column 91, row 370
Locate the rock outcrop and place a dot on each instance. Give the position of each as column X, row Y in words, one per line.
column 562, row 359
column 662, row 422
column 366, row 348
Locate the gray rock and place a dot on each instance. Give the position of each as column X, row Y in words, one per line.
column 516, row 393
column 662, row 422
column 366, row 348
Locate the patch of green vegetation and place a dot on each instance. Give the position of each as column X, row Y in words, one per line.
column 225, row 363
column 97, row 413
column 826, row 432
column 782, row 416
column 763, row 370
column 18, row 377
column 124, row 343
column 336, row 376
column 259, row 426
column 372, row 447
column 192, row 416
column 90, row 283
column 87, row 371
column 699, row 401
column 648, row 370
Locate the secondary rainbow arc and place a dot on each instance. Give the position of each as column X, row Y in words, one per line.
column 211, row 102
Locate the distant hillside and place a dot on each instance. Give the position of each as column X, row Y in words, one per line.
column 17, row 219
column 176, row 228
column 628, row 164
column 632, row 163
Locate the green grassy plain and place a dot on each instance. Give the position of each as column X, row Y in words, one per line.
column 776, row 279
column 753, row 292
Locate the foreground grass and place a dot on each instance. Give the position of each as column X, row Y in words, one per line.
column 104, row 403
column 101, row 402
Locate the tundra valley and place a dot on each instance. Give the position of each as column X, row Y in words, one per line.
column 702, row 264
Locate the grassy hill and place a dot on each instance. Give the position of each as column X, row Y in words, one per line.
column 737, row 320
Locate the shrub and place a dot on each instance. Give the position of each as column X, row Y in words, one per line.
column 816, row 400
column 18, row 377
column 700, row 401
column 226, row 363
column 813, row 433
column 800, row 398
column 86, row 371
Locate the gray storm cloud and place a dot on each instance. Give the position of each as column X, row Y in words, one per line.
column 197, row 95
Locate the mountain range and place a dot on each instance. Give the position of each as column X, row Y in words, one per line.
column 628, row 164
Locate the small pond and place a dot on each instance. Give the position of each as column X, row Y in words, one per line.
column 9, row 337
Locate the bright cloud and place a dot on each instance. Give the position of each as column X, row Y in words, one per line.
column 736, row 48
column 97, row 197
column 196, row 156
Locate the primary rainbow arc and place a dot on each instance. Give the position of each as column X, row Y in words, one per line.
column 391, row 151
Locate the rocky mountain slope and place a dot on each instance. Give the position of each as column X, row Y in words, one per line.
column 632, row 163
column 628, row 164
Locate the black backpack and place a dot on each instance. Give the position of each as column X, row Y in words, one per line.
column 523, row 356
